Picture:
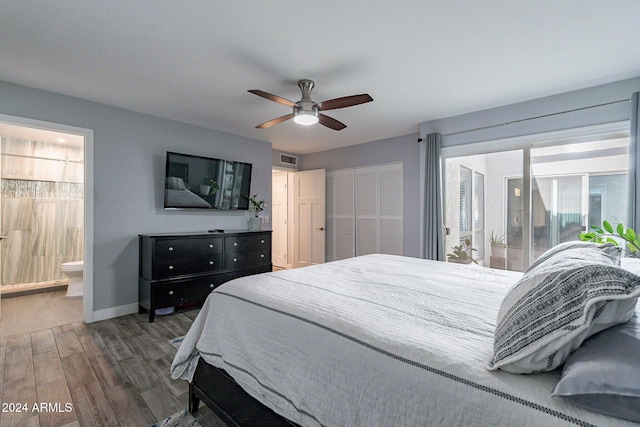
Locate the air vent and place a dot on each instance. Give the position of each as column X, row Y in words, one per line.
column 288, row 160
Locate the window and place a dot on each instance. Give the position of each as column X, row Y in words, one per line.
column 478, row 214
column 470, row 205
column 574, row 183
column 465, row 204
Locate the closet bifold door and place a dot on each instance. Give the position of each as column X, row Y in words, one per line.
column 366, row 210
column 340, row 214
column 378, row 208
column 390, row 209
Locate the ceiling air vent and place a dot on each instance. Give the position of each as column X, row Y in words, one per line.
column 288, row 160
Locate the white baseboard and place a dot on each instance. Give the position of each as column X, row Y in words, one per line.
column 110, row 313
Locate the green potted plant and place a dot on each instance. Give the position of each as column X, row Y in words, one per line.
column 607, row 234
column 498, row 245
column 461, row 253
column 256, row 206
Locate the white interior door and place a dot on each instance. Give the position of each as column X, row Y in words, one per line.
column 309, row 217
column 279, row 208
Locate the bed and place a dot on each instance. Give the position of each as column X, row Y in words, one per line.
column 376, row 340
column 177, row 194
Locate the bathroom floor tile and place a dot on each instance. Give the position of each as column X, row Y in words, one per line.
column 30, row 313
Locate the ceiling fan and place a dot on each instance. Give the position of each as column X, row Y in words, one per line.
column 307, row 111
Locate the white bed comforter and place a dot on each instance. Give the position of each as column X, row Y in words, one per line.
column 376, row 340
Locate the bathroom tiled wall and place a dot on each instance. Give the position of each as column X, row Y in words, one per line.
column 42, row 209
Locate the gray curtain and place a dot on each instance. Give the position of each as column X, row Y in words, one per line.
column 634, row 162
column 433, row 226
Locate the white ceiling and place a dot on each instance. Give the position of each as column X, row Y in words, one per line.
column 194, row 60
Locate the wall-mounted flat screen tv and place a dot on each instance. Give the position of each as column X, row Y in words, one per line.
column 197, row 182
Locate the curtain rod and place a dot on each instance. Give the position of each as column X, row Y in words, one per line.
column 538, row 117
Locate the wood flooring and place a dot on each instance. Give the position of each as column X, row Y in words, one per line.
column 109, row 373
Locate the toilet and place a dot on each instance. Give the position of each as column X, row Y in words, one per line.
column 74, row 271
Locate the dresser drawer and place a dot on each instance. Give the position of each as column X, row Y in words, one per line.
column 179, row 266
column 247, row 259
column 247, row 272
column 247, row 242
column 186, row 248
column 184, row 291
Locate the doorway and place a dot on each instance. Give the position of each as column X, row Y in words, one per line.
column 21, row 129
column 298, row 208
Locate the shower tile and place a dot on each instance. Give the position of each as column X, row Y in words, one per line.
column 42, row 208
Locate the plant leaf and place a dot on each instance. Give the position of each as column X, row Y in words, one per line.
column 613, row 241
column 631, row 235
column 607, row 226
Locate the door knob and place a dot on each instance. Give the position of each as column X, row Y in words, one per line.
column 321, row 228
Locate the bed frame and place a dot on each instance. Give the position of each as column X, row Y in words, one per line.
column 229, row 401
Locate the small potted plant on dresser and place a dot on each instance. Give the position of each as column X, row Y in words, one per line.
column 256, row 207
column 498, row 250
column 461, row 253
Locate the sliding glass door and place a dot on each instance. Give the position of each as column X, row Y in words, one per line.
column 536, row 197
column 475, row 203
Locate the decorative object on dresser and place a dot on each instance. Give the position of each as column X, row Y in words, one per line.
column 255, row 207
column 178, row 269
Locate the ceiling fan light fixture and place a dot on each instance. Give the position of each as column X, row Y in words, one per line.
column 305, row 117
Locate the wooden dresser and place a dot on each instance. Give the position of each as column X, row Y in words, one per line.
column 178, row 269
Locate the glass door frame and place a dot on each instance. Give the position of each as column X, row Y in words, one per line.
column 526, row 144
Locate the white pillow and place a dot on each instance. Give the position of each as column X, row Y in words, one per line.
column 568, row 296
column 631, row 264
column 175, row 183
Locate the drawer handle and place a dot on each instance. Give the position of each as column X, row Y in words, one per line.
column 262, row 241
column 170, row 248
column 171, row 267
column 261, row 255
column 211, row 286
column 210, row 262
column 170, row 292
column 211, row 246
column 235, row 243
column 235, row 260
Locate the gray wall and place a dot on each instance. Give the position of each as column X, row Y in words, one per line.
column 129, row 161
column 405, row 149
column 610, row 102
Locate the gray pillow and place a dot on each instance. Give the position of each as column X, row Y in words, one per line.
column 603, row 374
column 560, row 301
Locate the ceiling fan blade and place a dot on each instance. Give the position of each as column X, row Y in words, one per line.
column 345, row 101
column 274, row 98
column 330, row 122
column 275, row 121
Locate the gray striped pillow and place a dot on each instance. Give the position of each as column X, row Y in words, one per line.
column 568, row 295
